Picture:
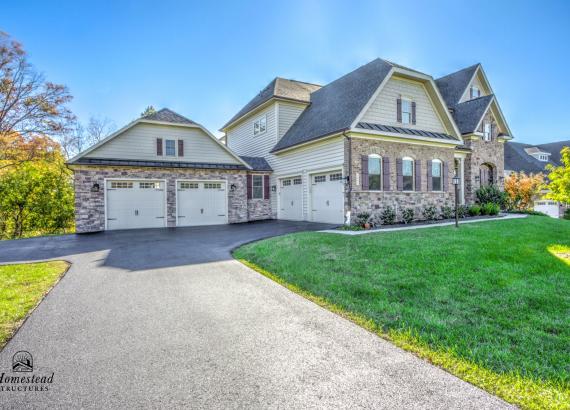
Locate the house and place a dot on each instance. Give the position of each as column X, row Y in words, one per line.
column 381, row 135
column 532, row 160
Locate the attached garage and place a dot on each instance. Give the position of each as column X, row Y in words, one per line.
column 132, row 204
column 327, row 197
column 201, row 203
column 291, row 199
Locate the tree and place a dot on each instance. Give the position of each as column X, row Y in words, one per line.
column 522, row 189
column 82, row 137
column 559, row 177
column 30, row 106
column 148, row 111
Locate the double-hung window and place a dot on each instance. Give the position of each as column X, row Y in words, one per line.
column 406, row 111
column 374, row 172
column 257, row 185
column 260, row 125
column 487, row 131
column 475, row 92
column 436, row 175
column 170, row 148
column 408, row 174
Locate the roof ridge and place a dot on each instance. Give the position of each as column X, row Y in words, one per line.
column 460, row 70
column 297, row 81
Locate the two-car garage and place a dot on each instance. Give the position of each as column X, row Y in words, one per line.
column 138, row 203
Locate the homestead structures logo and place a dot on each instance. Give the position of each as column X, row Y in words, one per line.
column 22, row 379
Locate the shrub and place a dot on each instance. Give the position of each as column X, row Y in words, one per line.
column 474, row 210
column 491, row 193
column 388, row 216
column 362, row 218
column 447, row 212
column 408, row 215
column 430, row 213
column 567, row 214
column 463, row 211
column 490, row 209
column 526, row 211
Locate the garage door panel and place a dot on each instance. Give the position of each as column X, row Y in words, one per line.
column 201, row 203
column 327, row 197
column 291, row 199
column 135, row 204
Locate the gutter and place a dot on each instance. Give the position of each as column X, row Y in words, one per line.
column 349, row 176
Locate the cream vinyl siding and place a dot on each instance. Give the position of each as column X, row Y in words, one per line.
column 304, row 161
column 241, row 140
column 139, row 143
column 477, row 82
column 383, row 109
column 288, row 114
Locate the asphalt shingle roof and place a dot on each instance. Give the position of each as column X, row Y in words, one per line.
column 468, row 114
column 408, row 131
column 517, row 159
column 281, row 88
column 452, row 86
column 554, row 148
column 257, row 163
column 166, row 115
column 334, row 107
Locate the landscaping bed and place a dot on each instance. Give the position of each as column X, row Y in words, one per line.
column 487, row 302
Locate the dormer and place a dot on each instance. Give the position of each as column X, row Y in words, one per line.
column 538, row 154
column 478, row 86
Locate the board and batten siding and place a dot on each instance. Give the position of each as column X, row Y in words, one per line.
column 139, row 143
column 241, row 140
column 383, row 109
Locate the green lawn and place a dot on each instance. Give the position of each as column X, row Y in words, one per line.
column 21, row 289
column 489, row 302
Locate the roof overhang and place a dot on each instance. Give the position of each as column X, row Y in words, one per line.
column 403, row 138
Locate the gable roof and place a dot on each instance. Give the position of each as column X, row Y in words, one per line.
column 452, row 86
column 335, row 106
column 166, row 115
column 467, row 115
column 257, row 163
column 279, row 88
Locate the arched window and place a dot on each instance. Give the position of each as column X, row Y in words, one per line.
column 408, row 173
column 436, row 175
column 374, row 172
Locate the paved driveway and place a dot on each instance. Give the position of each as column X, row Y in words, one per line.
column 166, row 318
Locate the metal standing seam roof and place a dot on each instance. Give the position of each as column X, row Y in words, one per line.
column 407, row 131
column 156, row 164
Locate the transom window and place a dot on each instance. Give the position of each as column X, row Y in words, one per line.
column 149, row 185
column 170, row 148
column 297, row 181
column 121, row 184
column 320, row 178
column 436, row 175
column 260, row 125
column 374, row 172
column 212, row 185
column 487, row 131
column 475, row 92
column 408, row 174
column 406, row 111
column 189, row 185
column 335, row 177
column 257, row 185
column 287, row 182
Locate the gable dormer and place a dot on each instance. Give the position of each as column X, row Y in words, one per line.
column 477, row 87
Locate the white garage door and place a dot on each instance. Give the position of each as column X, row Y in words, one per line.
column 291, row 199
column 135, row 204
column 327, row 197
column 201, row 203
column 550, row 208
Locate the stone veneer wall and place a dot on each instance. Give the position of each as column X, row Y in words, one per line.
column 374, row 201
column 483, row 152
column 90, row 206
column 259, row 209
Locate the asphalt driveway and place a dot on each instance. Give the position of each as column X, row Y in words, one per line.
column 166, row 318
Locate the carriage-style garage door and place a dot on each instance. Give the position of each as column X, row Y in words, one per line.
column 201, row 203
column 135, row 204
column 327, row 197
column 291, row 199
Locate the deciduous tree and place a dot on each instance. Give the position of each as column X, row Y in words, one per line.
column 559, row 179
column 522, row 189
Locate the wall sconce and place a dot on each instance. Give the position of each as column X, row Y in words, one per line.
column 233, row 187
column 347, row 179
column 273, row 188
column 477, row 178
column 95, row 187
column 501, row 178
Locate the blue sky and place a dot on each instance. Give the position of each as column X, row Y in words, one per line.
column 205, row 60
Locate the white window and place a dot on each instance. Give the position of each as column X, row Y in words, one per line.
column 487, row 131
column 189, row 185
column 287, row 182
column 436, row 175
column 297, row 181
column 335, row 177
column 543, row 157
column 408, row 174
column 257, row 192
column 406, row 112
column 320, row 178
column 149, row 185
column 260, row 125
column 374, row 172
column 121, row 184
column 475, row 92
column 170, row 148
column 210, row 185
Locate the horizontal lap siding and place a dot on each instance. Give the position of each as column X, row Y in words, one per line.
column 242, row 141
column 383, row 109
column 288, row 114
column 139, row 143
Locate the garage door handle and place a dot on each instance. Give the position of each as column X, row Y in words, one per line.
column 160, row 217
column 111, row 219
column 222, row 215
column 181, row 216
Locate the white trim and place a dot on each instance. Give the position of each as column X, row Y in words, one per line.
column 262, row 187
column 136, row 179
column 437, row 160
column 407, row 138
column 261, row 117
column 278, row 192
column 223, row 181
column 304, row 144
column 311, row 173
column 372, row 99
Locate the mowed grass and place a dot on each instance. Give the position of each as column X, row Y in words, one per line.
column 22, row 286
column 490, row 302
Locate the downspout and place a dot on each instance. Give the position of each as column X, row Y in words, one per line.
column 349, row 179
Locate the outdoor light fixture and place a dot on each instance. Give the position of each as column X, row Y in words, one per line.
column 95, row 187
column 456, row 181
column 273, row 188
column 233, row 187
column 477, row 178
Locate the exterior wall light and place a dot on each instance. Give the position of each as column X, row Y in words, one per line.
column 273, row 188
column 95, row 187
column 233, row 187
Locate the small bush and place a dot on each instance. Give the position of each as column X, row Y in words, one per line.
column 474, row 210
column 567, row 214
column 490, row 209
column 408, row 215
column 447, row 212
column 430, row 213
column 362, row 218
column 388, row 216
column 463, row 211
column 350, row 228
column 491, row 193
column 526, row 211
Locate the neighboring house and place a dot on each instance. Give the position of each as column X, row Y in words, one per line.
column 532, row 160
column 164, row 170
column 382, row 135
